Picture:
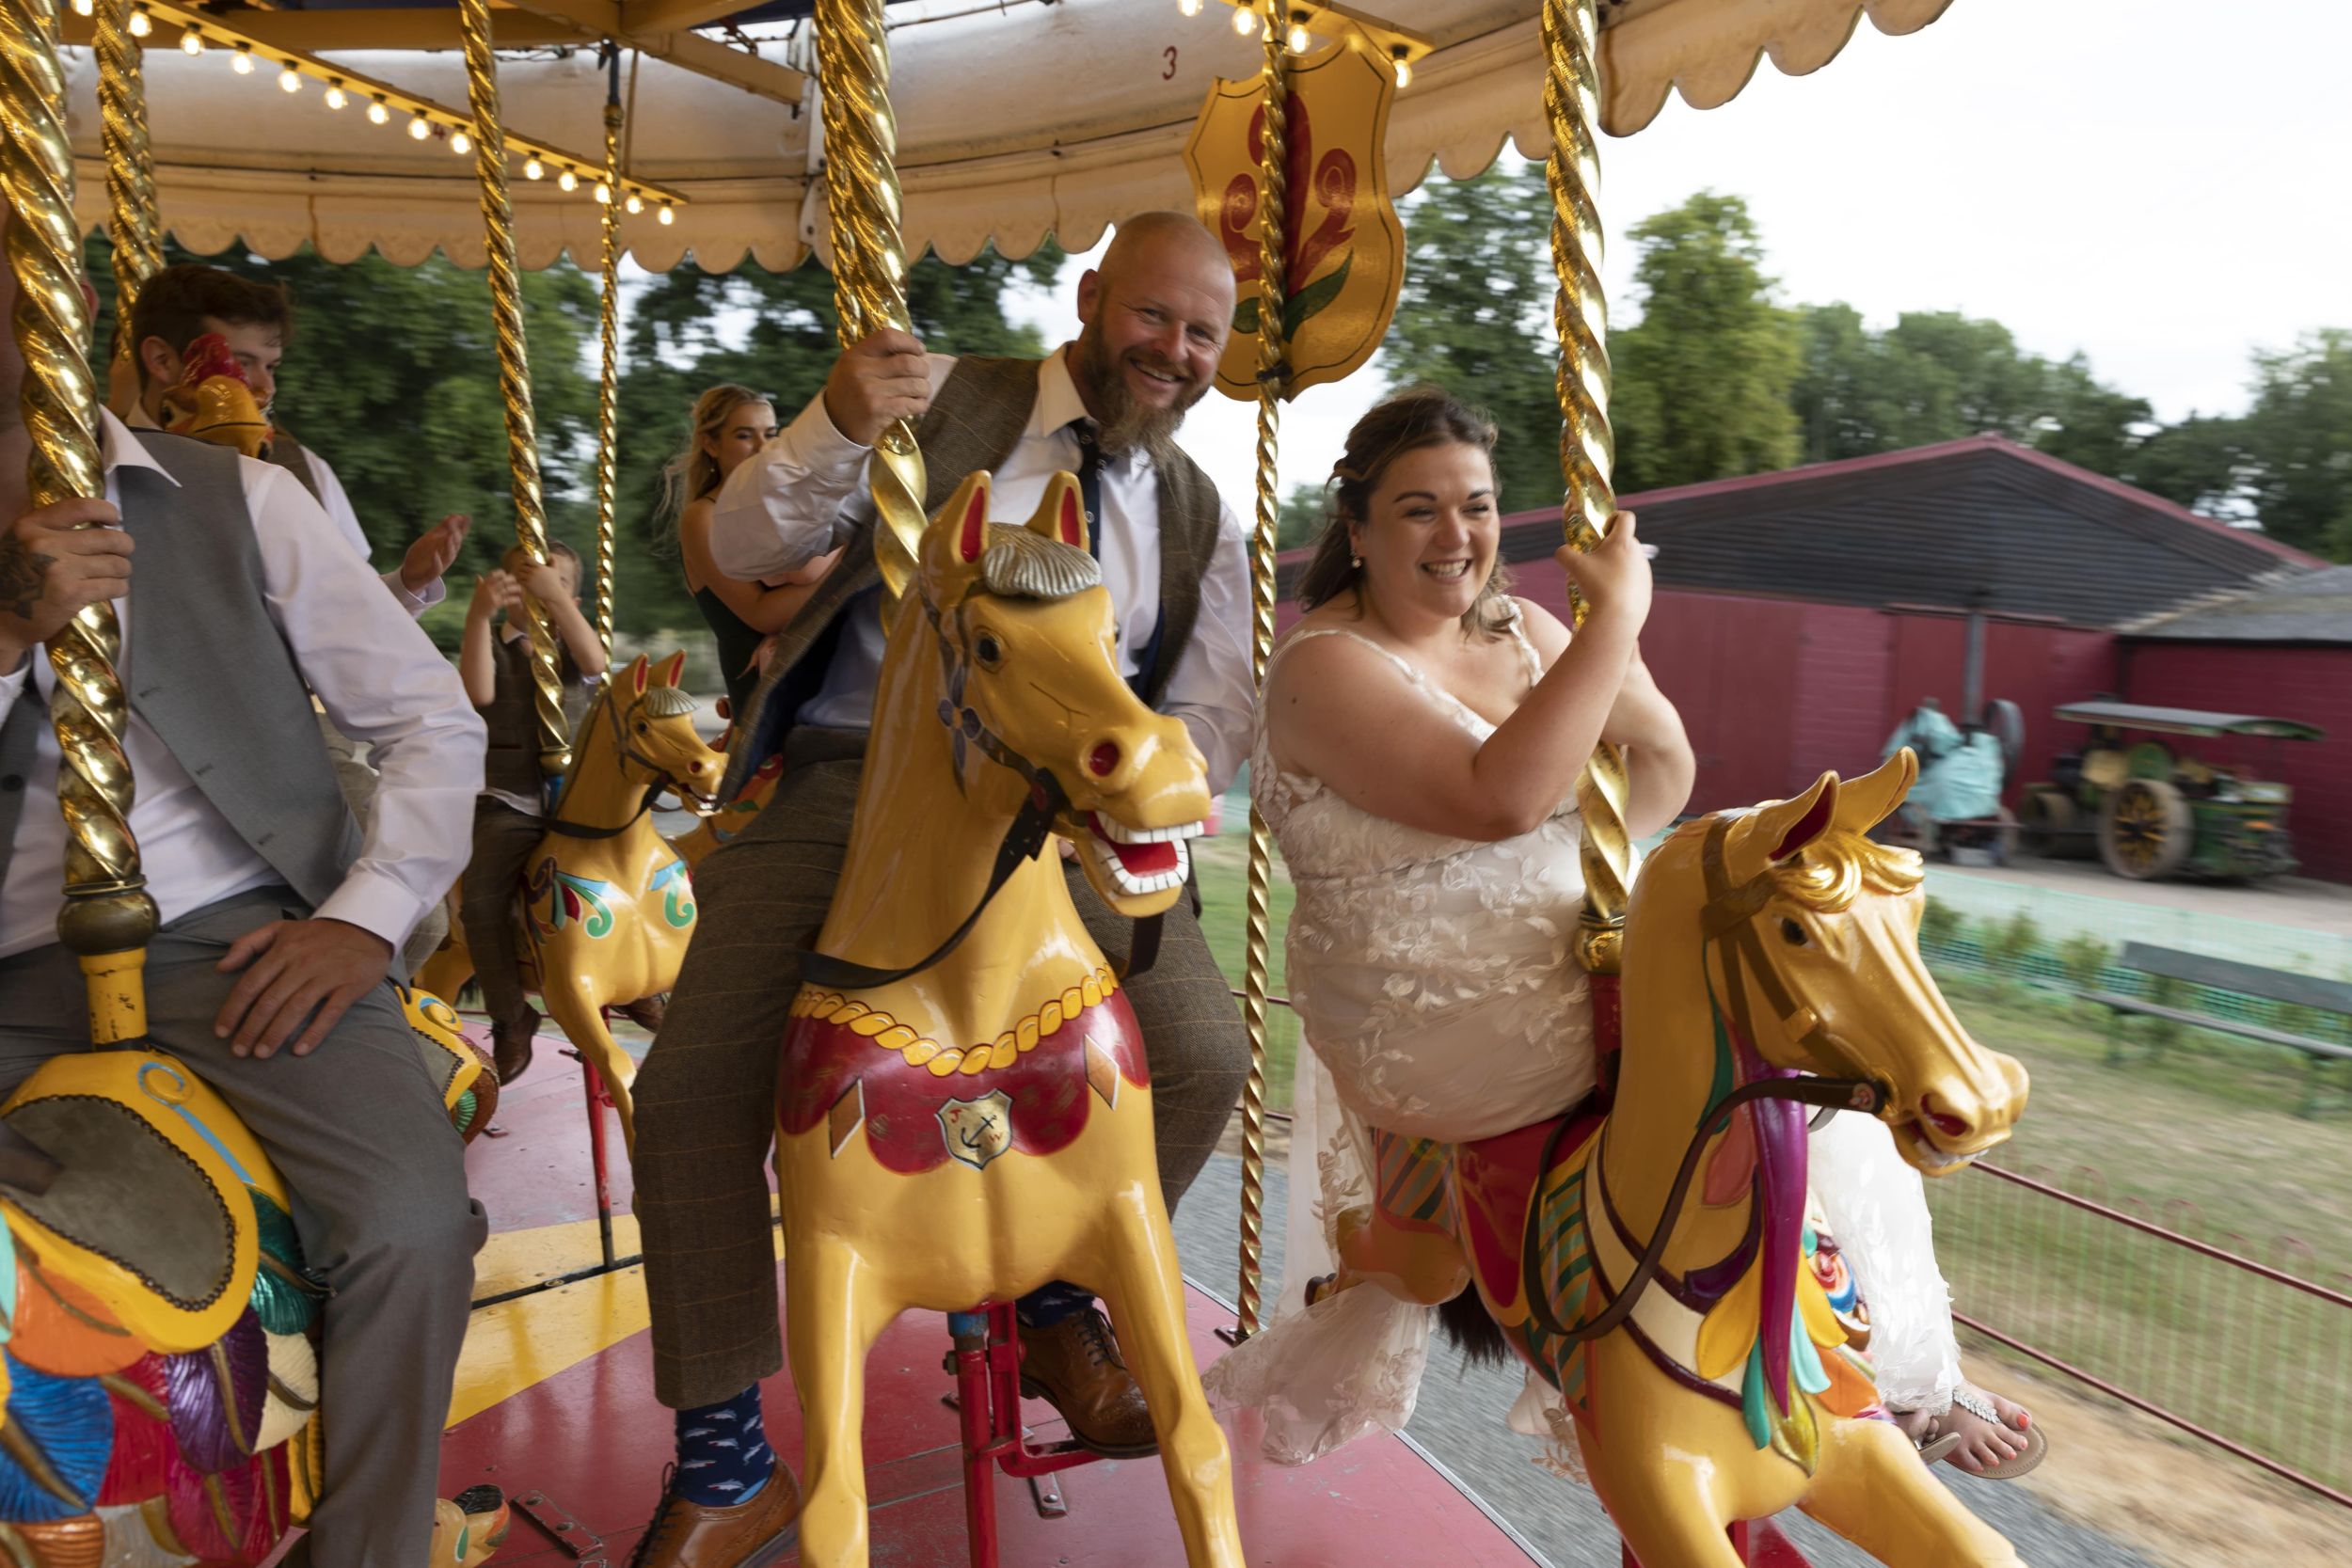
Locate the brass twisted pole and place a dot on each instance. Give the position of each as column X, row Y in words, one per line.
column 506, row 311
column 1273, row 372
column 1571, row 37
column 869, row 264
column 609, row 387
column 109, row 915
column 131, row 220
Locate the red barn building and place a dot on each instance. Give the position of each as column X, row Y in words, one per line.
column 1801, row 614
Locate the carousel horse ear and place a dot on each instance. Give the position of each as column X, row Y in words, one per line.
column 672, row 667
column 1779, row 830
column 1872, row 799
column 1062, row 513
column 637, row 671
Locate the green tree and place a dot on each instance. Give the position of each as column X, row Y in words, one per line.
column 2090, row 424
column 1300, row 522
column 2197, row 463
column 1473, row 315
column 2299, row 443
column 1703, row 380
column 1835, row 396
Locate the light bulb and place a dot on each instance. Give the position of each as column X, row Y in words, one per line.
column 336, row 96
column 567, row 181
column 1299, row 38
column 1404, row 66
column 635, row 204
column 667, row 215
column 533, row 168
column 604, row 194
column 1189, row 8
column 419, row 127
column 289, row 79
column 1244, row 20
column 242, row 64
column 459, row 142
column 142, row 23
column 377, row 112
column 192, row 42
column 85, row 8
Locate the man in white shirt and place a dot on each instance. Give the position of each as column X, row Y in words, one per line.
column 267, row 976
column 1154, row 317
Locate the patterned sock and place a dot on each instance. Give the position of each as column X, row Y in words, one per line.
column 1053, row 1303
column 723, row 1453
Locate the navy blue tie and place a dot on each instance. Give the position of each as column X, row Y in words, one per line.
column 1091, row 493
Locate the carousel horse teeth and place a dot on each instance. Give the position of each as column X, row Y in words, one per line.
column 215, row 1396
column 54, row 1446
column 142, row 1433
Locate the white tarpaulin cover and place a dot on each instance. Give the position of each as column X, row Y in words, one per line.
column 1016, row 120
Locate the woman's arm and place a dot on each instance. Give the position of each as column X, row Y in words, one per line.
column 477, row 658
column 1660, row 767
column 762, row 608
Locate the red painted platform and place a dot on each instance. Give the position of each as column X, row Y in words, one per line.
column 595, row 1441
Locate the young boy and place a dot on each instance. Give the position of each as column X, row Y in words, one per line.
column 509, row 816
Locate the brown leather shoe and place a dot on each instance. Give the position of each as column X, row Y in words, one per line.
column 753, row 1533
column 510, row 1045
column 1075, row 1366
column 647, row 1012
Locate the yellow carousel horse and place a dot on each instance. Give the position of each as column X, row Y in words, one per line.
column 1771, row 963
column 608, row 904
column 976, row 1126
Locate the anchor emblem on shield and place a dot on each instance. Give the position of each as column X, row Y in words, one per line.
column 979, row 1130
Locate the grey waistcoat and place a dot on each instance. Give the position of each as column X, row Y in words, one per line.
column 211, row 674
column 975, row 422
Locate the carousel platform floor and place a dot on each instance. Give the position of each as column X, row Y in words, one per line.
column 555, row 1398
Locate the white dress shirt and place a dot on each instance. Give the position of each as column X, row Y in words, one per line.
column 805, row 493
column 337, row 503
column 381, row 681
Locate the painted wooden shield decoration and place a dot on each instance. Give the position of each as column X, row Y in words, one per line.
column 1346, row 247
column 979, row 1130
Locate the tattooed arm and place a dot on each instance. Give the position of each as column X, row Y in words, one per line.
column 53, row 565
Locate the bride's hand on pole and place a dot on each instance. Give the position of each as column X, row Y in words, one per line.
column 1616, row 578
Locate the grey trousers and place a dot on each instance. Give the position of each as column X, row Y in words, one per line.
column 378, row 1181
column 706, row 1094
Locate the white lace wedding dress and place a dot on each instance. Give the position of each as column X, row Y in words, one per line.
column 1439, row 997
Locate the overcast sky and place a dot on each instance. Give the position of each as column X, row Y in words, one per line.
column 2158, row 183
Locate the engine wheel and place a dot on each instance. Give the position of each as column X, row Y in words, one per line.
column 2050, row 826
column 2147, row 831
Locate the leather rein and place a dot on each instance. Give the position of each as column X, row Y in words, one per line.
column 625, row 753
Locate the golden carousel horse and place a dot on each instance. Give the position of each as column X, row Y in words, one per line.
column 975, row 1127
column 160, row 1369
column 608, row 903
column 1770, row 962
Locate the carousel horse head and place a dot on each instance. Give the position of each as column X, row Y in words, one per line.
column 1029, row 679
column 651, row 729
column 1812, row 930
column 212, row 401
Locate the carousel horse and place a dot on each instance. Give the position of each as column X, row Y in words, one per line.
column 1709, row 1357
column 979, row 1124
column 607, row 906
column 158, row 1325
column 212, row 401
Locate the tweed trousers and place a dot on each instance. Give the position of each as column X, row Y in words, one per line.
column 706, row 1094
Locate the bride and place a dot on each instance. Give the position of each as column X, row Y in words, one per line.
column 1419, row 735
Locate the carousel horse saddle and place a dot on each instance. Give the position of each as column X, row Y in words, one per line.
column 1521, row 1202
column 923, row 1103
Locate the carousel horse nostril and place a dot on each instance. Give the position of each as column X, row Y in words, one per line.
column 1944, row 1121
column 1103, row 760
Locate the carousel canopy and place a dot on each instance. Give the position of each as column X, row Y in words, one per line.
column 1017, row 119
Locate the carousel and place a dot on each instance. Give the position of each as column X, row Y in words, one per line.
column 153, row 1422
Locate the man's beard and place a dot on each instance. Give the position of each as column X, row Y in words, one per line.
column 1124, row 425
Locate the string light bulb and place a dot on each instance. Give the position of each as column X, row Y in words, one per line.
column 336, row 96
column 243, row 63
column 85, row 8
column 1189, row 8
column 289, row 79
column 1244, row 20
column 533, row 168
column 635, row 204
column 192, row 42
column 568, row 179
column 459, row 142
column 604, row 194
column 1300, row 39
column 667, row 215
column 1404, row 65
column 142, row 21
column 377, row 112
column 419, row 127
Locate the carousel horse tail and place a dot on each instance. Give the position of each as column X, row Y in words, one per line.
column 1472, row 1330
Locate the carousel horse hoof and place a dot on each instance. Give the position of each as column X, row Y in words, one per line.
column 758, row 1532
column 511, row 1046
column 467, row 1531
column 1075, row 1366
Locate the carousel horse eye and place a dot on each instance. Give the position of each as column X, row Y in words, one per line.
column 988, row 651
column 1793, row 933
column 642, row 727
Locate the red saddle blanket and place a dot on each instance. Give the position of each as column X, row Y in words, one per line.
column 1495, row 1181
column 1033, row 1096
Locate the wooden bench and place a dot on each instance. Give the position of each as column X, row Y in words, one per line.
column 2252, row 980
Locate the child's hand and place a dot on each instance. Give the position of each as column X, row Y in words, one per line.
column 496, row 589
column 542, row 581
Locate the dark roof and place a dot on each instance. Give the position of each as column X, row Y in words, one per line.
column 2184, row 721
column 1980, row 523
column 2311, row 606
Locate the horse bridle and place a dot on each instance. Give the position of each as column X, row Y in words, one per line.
column 1024, row 836
column 626, row 754
column 1726, row 920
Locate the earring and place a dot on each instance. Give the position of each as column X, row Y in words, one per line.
column 1356, row 562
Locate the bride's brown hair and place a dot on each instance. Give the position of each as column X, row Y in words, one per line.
column 1415, row 418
